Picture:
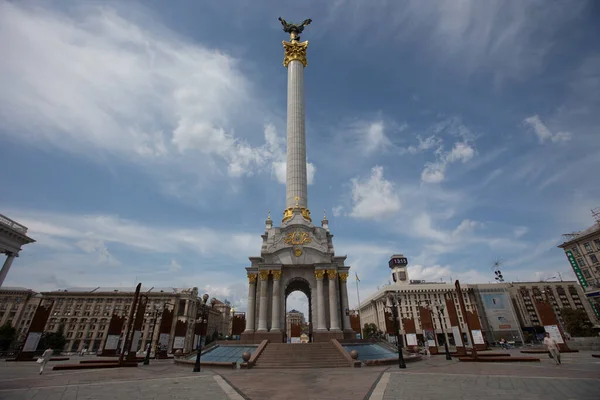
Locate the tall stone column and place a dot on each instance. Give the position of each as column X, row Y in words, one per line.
column 344, row 299
column 6, row 267
column 334, row 314
column 275, row 319
column 296, row 181
column 319, row 274
column 262, row 307
column 251, row 302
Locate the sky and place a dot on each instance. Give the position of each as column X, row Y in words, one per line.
column 145, row 142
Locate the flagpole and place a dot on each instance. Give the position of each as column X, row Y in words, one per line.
column 358, row 308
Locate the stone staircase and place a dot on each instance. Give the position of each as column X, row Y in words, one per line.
column 301, row 355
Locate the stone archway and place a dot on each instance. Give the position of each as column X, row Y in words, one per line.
column 302, row 285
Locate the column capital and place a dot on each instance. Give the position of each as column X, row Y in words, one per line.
column 276, row 274
column 331, row 273
column 343, row 276
column 295, row 50
column 319, row 273
column 252, row 277
column 264, row 275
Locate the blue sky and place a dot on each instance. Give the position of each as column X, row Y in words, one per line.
column 146, row 141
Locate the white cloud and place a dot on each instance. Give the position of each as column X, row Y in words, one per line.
column 543, row 133
column 375, row 138
column 520, row 231
column 93, row 82
column 424, row 144
column 433, row 172
column 337, row 211
column 505, row 39
column 94, row 232
column 374, row 197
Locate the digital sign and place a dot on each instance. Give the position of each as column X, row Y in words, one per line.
column 398, row 262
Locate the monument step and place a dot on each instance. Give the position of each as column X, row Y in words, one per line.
column 315, row 355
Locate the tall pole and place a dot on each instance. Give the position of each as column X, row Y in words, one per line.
column 401, row 362
column 362, row 336
column 149, row 345
column 130, row 322
column 445, row 336
column 463, row 309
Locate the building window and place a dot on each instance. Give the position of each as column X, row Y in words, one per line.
column 580, row 262
column 588, row 247
column 594, row 258
column 586, row 273
column 597, row 244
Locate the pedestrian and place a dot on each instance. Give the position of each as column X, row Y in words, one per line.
column 45, row 358
column 427, row 349
column 552, row 347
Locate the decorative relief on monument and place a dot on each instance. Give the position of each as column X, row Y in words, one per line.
column 295, row 51
column 297, row 238
column 297, row 252
column 343, row 276
column 252, row 278
column 264, row 275
column 319, row 274
column 331, row 273
column 276, row 274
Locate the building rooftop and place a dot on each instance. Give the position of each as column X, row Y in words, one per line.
column 589, row 231
column 14, row 289
column 152, row 290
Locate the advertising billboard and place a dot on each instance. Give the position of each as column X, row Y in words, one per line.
column 499, row 312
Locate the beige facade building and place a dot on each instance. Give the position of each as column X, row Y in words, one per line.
column 583, row 254
column 293, row 317
column 86, row 313
column 17, row 306
column 411, row 295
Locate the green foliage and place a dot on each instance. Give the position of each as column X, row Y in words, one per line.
column 371, row 331
column 576, row 322
column 55, row 340
column 7, row 335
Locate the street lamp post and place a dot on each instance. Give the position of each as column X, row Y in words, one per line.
column 440, row 311
column 392, row 304
column 149, row 346
column 203, row 314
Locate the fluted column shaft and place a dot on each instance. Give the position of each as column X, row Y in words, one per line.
column 6, row 267
column 251, row 303
column 275, row 318
column 333, row 304
column 262, row 307
column 296, row 180
column 344, row 300
column 320, row 301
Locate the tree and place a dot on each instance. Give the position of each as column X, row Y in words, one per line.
column 54, row 340
column 372, row 332
column 576, row 322
column 7, row 335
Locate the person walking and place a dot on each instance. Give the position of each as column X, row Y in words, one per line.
column 552, row 347
column 45, row 358
column 426, row 344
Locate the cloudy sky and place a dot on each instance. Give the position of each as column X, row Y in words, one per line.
column 146, row 141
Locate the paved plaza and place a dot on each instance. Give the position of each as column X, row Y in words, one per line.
column 577, row 378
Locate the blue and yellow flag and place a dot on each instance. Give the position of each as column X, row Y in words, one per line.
column 357, row 280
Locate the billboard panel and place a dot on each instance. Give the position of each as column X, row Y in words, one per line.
column 499, row 312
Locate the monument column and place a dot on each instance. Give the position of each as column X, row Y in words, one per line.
column 344, row 299
column 276, row 301
column 334, row 314
column 320, row 301
column 251, row 303
column 296, row 196
column 6, row 267
column 262, row 307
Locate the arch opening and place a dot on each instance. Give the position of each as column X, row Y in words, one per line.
column 298, row 311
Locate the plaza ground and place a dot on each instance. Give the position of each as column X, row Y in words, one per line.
column 577, row 378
